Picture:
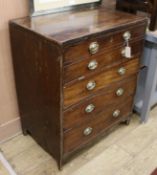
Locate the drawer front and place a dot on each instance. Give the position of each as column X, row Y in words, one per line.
column 87, row 49
column 91, row 107
column 79, row 136
column 88, row 65
column 79, row 90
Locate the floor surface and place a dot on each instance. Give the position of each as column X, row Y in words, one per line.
column 3, row 170
column 129, row 150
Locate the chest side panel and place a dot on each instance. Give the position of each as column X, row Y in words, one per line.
column 38, row 69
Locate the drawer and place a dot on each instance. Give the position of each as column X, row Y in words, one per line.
column 86, row 66
column 79, row 90
column 91, row 107
column 94, row 46
column 81, row 135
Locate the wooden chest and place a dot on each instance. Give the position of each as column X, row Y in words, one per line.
column 74, row 81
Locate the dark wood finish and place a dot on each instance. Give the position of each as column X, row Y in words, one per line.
column 48, row 79
column 70, row 28
column 153, row 20
column 77, row 91
column 75, row 137
column 38, row 89
column 154, row 172
column 79, row 69
column 110, row 41
column 76, row 115
column 148, row 6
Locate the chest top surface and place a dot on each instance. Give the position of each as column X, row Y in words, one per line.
column 72, row 25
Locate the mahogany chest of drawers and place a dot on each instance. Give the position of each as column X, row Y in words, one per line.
column 75, row 76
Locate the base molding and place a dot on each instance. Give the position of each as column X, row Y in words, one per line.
column 10, row 129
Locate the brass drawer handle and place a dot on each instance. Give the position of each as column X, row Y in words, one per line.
column 91, row 85
column 94, row 48
column 90, row 108
column 87, row 131
column 92, row 65
column 120, row 92
column 116, row 113
column 126, row 52
column 122, row 71
column 127, row 36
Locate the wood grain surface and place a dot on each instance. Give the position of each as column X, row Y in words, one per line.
column 77, row 90
column 76, row 115
column 75, row 137
column 108, row 58
column 106, row 43
column 43, row 95
column 79, row 24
